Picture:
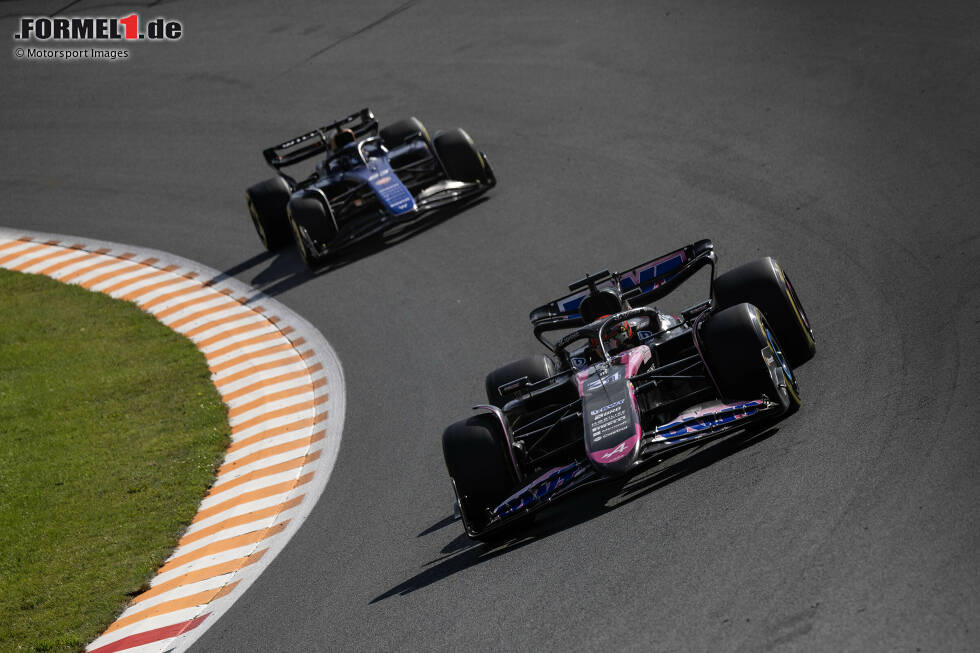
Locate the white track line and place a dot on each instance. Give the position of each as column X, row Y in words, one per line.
column 284, row 387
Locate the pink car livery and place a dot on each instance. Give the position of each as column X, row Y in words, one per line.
column 627, row 385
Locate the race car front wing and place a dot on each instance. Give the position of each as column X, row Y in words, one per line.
column 694, row 426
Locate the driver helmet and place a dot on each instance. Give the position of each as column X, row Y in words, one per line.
column 616, row 338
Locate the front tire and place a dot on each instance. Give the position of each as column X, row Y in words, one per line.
column 397, row 133
column 746, row 359
column 310, row 221
column 460, row 157
column 535, row 368
column 477, row 460
column 267, row 202
column 765, row 284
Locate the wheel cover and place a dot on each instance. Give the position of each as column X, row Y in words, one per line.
column 301, row 242
column 258, row 223
column 782, row 373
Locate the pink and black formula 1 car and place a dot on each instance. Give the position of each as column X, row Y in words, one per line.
column 627, row 383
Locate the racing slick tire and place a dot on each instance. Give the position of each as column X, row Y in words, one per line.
column 765, row 284
column 310, row 218
column 460, row 157
column 476, row 458
column 397, row 133
column 535, row 368
column 267, row 205
column 745, row 358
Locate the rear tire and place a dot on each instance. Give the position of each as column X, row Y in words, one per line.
column 535, row 368
column 309, row 217
column 477, row 461
column 460, row 157
column 764, row 284
column 267, row 202
column 734, row 342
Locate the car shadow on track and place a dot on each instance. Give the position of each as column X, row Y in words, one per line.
column 286, row 269
column 462, row 552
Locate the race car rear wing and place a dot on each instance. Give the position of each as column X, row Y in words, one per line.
column 641, row 285
column 317, row 141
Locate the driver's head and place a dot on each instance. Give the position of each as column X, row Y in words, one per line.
column 341, row 139
column 616, row 337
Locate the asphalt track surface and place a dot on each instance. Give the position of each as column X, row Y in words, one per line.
column 843, row 140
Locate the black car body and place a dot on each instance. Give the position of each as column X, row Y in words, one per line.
column 366, row 181
column 628, row 383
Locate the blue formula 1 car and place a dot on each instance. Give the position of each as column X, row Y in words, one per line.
column 366, row 181
column 627, row 384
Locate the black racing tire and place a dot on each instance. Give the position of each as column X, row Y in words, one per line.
column 765, row 284
column 476, row 458
column 460, row 157
column 745, row 358
column 397, row 133
column 309, row 217
column 535, row 368
column 267, row 202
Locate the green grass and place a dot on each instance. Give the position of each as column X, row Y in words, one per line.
column 110, row 434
